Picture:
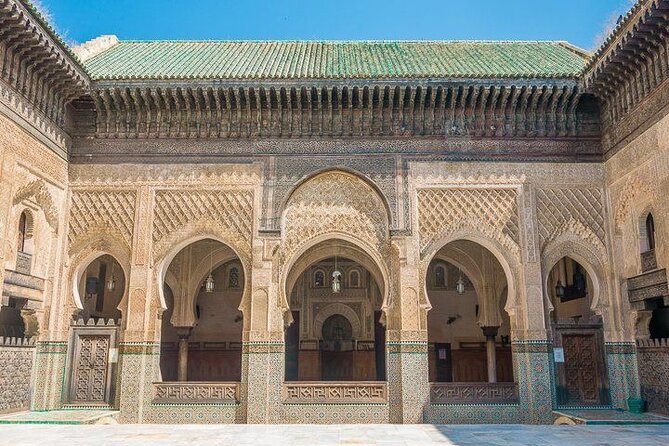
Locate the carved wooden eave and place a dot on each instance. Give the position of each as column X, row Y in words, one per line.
column 335, row 109
column 39, row 73
column 629, row 68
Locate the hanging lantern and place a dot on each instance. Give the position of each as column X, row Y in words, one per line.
column 559, row 289
column 460, row 286
column 209, row 284
column 209, row 281
column 336, row 281
column 111, row 283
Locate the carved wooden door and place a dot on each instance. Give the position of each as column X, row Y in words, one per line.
column 582, row 375
column 580, row 368
column 91, row 369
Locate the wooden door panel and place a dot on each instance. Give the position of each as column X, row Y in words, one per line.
column 91, row 369
column 581, row 378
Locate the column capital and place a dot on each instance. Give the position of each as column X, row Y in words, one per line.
column 490, row 332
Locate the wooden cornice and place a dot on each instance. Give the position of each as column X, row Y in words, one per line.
column 36, row 64
column 540, row 109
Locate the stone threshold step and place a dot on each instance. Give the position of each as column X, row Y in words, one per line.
column 71, row 416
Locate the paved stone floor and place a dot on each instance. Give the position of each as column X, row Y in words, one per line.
column 418, row 435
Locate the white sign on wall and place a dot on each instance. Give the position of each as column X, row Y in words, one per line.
column 558, row 354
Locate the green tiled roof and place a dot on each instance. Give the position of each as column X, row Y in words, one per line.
column 336, row 60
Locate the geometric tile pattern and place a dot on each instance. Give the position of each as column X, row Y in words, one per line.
column 621, row 364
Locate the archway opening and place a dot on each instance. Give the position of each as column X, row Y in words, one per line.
column 101, row 288
column 468, row 328
column 335, row 300
column 201, row 329
column 580, row 367
column 647, row 243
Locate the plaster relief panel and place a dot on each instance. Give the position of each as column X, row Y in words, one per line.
column 491, row 212
column 576, row 211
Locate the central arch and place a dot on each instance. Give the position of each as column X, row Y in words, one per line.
column 335, row 279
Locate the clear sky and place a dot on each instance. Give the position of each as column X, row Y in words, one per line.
column 580, row 22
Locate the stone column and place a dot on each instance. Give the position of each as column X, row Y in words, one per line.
column 184, row 334
column 491, row 359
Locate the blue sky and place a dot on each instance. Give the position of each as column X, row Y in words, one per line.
column 580, row 22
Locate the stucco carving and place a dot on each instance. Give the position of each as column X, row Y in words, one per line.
column 342, row 309
column 569, row 210
column 102, row 211
column 38, row 191
column 334, row 202
column 491, row 212
column 593, row 261
column 181, row 212
column 634, row 190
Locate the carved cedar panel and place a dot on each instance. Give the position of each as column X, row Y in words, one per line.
column 578, row 211
column 492, row 212
column 105, row 211
column 231, row 209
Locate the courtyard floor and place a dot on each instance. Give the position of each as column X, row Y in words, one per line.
column 258, row 435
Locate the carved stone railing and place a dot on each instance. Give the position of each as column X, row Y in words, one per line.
column 648, row 261
column 318, row 392
column 24, row 263
column 648, row 286
column 473, row 393
column 195, row 393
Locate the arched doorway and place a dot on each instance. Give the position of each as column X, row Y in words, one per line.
column 468, row 329
column 101, row 289
column 201, row 329
column 580, row 367
column 335, row 302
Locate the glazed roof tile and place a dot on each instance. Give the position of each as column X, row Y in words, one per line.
column 336, row 60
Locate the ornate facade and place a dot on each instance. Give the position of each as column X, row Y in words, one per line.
column 333, row 232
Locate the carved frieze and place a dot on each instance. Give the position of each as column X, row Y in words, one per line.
column 335, row 393
column 473, row 393
column 418, row 109
column 195, row 393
